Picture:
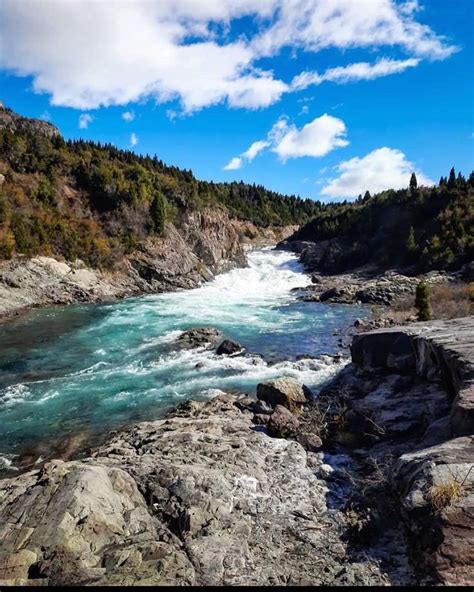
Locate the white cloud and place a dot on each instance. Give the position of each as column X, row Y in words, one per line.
column 384, row 168
column 255, row 149
column 87, row 54
column 318, row 24
column 85, row 119
column 354, row 72
column 234, row 164
column 133, row 139
column 45, row 116
column 315, row 139
column 128, row 116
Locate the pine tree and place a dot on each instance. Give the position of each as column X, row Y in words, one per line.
column 413, row 183
column 422, row 302
column 452, row 179
column 157, row 214
column 367, row 196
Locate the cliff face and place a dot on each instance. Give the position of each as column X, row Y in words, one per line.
column 199, row 245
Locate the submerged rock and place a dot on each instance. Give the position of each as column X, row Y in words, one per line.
column 286, row 391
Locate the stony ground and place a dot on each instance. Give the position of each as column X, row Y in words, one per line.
column 202, row 497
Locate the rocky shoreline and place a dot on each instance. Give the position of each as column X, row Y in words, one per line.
column 198, row 246
column 352, row 487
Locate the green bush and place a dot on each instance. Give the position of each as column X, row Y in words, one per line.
column 422, row 302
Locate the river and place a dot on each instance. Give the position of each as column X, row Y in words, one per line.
column 91, row 368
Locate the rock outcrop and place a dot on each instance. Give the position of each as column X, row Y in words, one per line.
column 362, row 288
column 199, row 245
column 404, row 407
column 201, row 497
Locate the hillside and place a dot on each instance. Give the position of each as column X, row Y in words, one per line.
column 417, row 228
column 79, row 199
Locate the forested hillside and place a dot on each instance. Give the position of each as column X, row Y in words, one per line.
column 426, row 228
column 96, row 202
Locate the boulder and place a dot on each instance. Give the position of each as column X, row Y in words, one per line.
column 199, row 337
column 310, row 442
column 284, row 391
column 282, row 423
column 326, row 471
column 229, row 348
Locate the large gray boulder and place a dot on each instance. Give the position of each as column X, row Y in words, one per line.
column 286, row 391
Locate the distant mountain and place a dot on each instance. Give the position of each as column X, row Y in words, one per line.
column 80, row 199
column 419, row 227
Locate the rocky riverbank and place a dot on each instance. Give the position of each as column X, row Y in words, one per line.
column 369, row 483
column 193, row 250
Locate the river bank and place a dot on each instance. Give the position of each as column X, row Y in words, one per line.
column 193, row 250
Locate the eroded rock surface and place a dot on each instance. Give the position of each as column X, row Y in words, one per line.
column 404, row 408
column 202, row 497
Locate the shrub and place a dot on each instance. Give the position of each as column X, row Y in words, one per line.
column 7, row 244
column 422, row 302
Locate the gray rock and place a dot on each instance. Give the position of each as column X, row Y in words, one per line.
column 282, row 423
column 326, row 471
column 198, row 498
column 229, row 348
column 284, row 391
column 199, row 337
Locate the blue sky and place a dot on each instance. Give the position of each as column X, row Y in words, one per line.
column 341, row 95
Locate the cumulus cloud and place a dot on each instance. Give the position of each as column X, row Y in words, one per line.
column 133, row 139
column 384, row 168
column 315, row 139
column 84, row 120
column 86, row 54
column 128, row 116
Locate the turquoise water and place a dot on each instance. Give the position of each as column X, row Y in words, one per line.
column 64, row 370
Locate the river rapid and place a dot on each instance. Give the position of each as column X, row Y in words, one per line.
column 87, row 369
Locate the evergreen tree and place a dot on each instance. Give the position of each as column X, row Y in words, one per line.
column 452, row 179
column 157, row 213
column 413, row 183
column 367, row 196
column 422, row 302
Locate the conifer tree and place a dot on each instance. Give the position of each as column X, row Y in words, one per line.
column 422, row 302
column 452, row 179
column 413, row 183
column 157, row 214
